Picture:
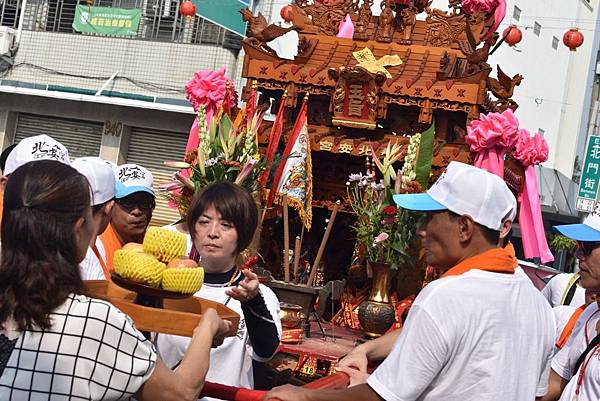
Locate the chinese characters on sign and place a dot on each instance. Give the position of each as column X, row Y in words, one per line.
column 590, row 176
column 107, row 20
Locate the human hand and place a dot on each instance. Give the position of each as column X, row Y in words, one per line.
column 355, row 359
column 247, row 289
column 356, row 376
column 211, row 324
column 287, row 393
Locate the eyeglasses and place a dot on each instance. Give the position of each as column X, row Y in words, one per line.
column 131, row 204
column 586, row 247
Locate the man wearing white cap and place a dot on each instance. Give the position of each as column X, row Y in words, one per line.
column 134, row 204
column 481, row 332
column 102, row 182
column 576, row 367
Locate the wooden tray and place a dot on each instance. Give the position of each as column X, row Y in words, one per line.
column 179, row 316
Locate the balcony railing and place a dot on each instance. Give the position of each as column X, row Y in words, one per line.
column 161, row 20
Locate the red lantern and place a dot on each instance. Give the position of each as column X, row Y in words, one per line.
column 573, row 39
column 187, row 9
column 287, row 13
column 512, row 35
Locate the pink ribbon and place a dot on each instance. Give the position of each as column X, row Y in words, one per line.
column 490, row 137
column 530, row 151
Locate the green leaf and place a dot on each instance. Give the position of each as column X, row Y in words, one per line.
column 425, row 157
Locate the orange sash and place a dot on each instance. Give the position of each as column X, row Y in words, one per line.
column 111, row 245
column 497, row 260
column 102, row 263
column 568, row 329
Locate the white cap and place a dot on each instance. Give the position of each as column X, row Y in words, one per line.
column 100, row 176
column 466, row 190
column 39, row 147
column 131, row 178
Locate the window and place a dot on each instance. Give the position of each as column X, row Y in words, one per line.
column 555, row 43
column 517, row 13
column 537, row 29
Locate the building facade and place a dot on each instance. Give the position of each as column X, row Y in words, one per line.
column 121, row 98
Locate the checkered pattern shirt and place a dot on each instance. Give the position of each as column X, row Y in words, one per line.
column 91, row 352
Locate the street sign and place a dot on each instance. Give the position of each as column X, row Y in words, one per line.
column 590, row 176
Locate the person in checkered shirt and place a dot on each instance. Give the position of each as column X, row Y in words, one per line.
column 55, row 342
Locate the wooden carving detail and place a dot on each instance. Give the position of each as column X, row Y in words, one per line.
column 409, row 19
column 443, row 29
column 364, row 18
column 503, row 89
column 325, row 17
column 385, row 28
column 261, row 31
column 356, row 96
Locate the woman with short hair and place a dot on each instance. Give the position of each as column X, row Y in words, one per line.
column 222, row 220
column 55, row 342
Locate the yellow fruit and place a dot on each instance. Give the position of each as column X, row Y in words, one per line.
column 165, row 244
column 185, row 280
column 139, row 267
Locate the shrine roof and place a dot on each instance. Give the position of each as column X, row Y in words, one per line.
column 418, row 76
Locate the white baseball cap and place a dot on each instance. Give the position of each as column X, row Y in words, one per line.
column 39, row 147
column 100, row 176
column 131, row 178
column 588, row 231
column 466, row 190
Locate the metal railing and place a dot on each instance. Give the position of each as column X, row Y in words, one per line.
column 161, row 20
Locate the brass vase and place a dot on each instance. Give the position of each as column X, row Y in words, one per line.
column 376, row 314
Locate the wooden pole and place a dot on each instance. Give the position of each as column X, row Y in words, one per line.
column 286, row 240
column 315, row 267
column 297, row 247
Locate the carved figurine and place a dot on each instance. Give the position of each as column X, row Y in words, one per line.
column 385, row 30
column 503, row 89
column 409, row 18
column 364, row 18
column 261, row 31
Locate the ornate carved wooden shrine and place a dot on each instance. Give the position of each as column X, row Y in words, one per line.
column 402, row 70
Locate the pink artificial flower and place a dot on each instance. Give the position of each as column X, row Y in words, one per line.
column 531, row 150
column 493, row 129
column 479, row 6
column 208, row 89
column 170, row 186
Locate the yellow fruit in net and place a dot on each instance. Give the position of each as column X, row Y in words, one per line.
column 184, row 280
column 165, row 244
column 139, row 267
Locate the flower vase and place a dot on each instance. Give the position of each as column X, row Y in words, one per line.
column 376, row 315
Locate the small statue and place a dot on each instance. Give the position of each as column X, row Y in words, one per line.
column 503, row 89
column 364, row 18
column 409, row 18
column 261, row 31
column 386, row 23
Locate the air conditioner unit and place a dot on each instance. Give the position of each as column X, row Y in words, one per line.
column 7, row 38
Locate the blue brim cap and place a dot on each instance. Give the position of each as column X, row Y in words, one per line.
column 418, row 202
column 122, row 191
column 579, row 232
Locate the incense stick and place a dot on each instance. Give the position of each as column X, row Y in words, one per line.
column 315, row 267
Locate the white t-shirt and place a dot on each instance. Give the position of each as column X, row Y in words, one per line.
column 90, row 267
column 564, row 361
column 231, row 362
column 554, row 291
column 91, row 352
column 477, row 336
column 562, row 315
